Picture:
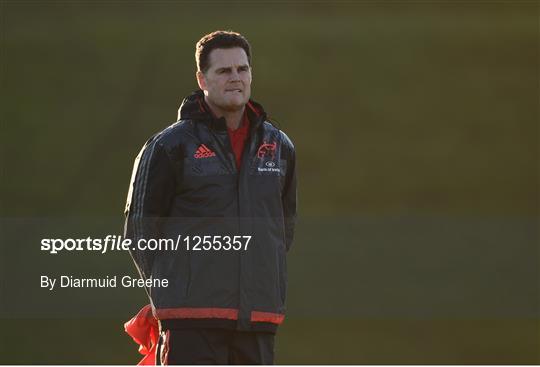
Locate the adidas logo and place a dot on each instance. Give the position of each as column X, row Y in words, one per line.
column 204, row 152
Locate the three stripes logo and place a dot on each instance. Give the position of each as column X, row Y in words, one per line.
column 204, row 152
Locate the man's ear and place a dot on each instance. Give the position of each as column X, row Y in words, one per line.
column 200, row 80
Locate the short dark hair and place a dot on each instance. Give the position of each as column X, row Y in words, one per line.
column 219, row 39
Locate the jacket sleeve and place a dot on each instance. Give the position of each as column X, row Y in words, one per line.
column 289, row 194
column 151, row 192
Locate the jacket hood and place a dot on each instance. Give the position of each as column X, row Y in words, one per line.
column 194, row 107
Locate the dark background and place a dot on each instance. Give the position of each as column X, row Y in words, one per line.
column 416, row 129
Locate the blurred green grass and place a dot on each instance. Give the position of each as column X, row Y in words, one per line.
column 393, row 107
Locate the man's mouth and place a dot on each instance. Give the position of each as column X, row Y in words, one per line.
column 234, row 90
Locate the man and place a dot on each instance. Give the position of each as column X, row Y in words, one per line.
column 222, row 178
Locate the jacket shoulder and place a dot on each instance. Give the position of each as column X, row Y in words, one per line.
column 173, row 134
column 170, row 139
column 280, row 133
column 286, row 140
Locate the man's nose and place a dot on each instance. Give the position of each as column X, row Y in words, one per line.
column 235, row 75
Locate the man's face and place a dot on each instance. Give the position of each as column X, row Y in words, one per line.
column 227, row 82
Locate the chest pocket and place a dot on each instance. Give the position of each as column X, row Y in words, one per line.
column 203, row 167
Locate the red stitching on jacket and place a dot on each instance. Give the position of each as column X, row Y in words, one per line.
column 197, row 313
column 216, row 313
column 275, row 318
column 257, row 113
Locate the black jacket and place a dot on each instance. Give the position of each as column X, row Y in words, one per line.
column 185, row 182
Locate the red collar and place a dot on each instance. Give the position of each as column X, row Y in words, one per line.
column 244, row 125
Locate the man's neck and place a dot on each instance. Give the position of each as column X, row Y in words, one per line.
column 232, row 118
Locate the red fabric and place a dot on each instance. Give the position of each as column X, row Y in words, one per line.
column 215, row 313
column 144, row 330
column 197, row 313
column 238, row 139
column 275, row 318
